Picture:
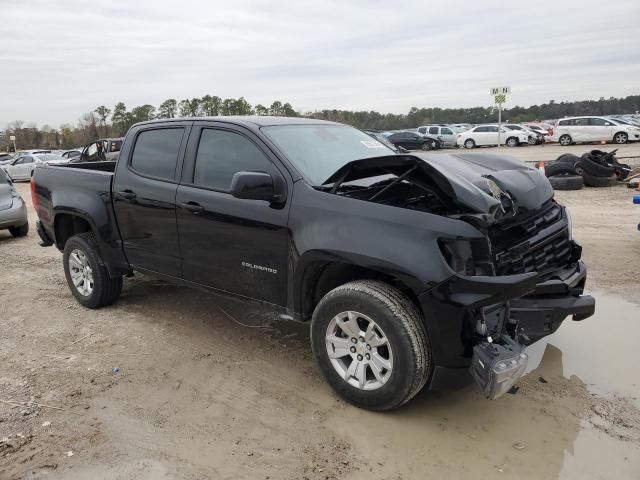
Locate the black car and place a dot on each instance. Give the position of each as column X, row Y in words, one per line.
column 411, row 270
column 413, row 141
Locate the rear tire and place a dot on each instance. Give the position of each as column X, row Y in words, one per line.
column 87, row 277
column 566, row 182
column 20, row 231
column 565, row 140
column 621, row 138
column 353, row 307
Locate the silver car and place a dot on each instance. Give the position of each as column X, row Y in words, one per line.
column 13, row 211
column 22, row 167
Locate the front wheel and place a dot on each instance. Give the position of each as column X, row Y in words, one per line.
column 426, row 146
column 371, row 344
column 86, row 274
column 469, row 143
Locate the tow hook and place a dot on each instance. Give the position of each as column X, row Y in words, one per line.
column 497, row 365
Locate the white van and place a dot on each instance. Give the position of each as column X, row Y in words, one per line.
column 593, row 129
column 443, row 133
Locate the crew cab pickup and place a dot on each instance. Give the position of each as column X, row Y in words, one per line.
column 412, row 270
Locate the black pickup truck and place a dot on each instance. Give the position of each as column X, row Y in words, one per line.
column 413, row 270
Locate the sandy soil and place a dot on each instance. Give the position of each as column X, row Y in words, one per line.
column 167, row 384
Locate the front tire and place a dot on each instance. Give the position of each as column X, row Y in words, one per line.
column 469, row 143
column 86, row 274
column 20, row 231
column 370, row 342
column 426, row 146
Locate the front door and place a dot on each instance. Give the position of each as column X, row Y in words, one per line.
column 234, row 245
column 448, row 137
column 144, row 197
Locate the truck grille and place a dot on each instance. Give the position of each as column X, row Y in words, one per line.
column 531, row 243
column 552, row 253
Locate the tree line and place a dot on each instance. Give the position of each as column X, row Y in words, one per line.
column 106, row 122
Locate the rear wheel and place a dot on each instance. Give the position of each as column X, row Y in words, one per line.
column 565, row 140
column 469, row 143
column 621, row 138
column 370, row 343
column 20, row 231
column 86, row 274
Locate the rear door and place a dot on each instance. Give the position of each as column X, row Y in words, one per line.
column 582, row 131
column 234, row 245
column 144, row 196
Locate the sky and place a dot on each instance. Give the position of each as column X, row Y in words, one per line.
column 62, row 58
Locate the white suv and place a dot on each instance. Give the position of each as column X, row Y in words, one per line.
column 484, row 135
column 443, row 133
column 593, row 129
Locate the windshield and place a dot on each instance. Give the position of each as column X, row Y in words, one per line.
column 320, row 150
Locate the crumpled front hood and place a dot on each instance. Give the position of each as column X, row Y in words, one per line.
column 6, row 197
column 463, row 177
column 468, row 173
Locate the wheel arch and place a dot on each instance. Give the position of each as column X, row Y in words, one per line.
column 319, row 275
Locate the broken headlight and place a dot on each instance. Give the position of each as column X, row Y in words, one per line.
column 466, row 256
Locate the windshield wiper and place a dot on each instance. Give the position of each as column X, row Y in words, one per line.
column 339, row 182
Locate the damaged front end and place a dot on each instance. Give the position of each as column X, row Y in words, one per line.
column 510, row 286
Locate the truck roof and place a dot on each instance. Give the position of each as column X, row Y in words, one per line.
column 250, row 120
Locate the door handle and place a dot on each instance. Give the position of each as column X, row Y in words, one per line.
column 127, row 195
column 193, row 207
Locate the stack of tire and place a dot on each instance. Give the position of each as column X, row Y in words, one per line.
column 593, row 169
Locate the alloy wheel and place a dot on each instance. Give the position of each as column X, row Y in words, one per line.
column 359, row 350
column 81, row 272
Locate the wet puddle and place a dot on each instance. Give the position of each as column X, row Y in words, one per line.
column 552, row 427
column 602, row 350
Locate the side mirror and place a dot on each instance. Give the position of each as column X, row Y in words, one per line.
column 253, row 186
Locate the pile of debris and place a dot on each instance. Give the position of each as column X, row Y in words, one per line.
column 593, row 169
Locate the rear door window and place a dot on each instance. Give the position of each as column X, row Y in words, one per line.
column 581, row 122
column 221, row 154
column 422, row 130
column 155, row 153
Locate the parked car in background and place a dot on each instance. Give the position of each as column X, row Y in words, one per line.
column 444, row 134
column 20, row 154
column 541, row 129
column 593, row 129
column 5, row 156
column 487, row 135
column 379, row 136
column 22, row 168
column 414, row 141
column 13, row 212
column 534, row 138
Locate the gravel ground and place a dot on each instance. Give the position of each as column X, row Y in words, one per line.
column 167, row 384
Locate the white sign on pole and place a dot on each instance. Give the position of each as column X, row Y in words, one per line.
column 499, row 91
column 12, row 138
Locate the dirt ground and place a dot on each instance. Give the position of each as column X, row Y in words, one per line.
column 167, row 383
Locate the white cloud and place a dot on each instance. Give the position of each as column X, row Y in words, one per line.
column 60, row 59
